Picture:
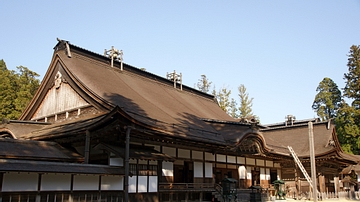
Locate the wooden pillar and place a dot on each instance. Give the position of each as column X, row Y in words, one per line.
column 297, row 184
column 127, row 151
column 322, row 184
column 336, row 185
column 87, row 147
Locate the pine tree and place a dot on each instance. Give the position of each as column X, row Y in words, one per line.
column 348, row 118
column 352, row 87
column 245, row 107
column 204, row 84
column 223, row 98
column 327, row 100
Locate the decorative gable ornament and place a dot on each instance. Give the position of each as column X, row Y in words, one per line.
column 58, row 80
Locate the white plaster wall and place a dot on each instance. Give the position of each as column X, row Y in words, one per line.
column 142, row 184
column 169, row 151
column 209, row 156
column 55, row 182
column 167, row 169
column 267, row 177
column 153, row 162
column 240, row 160
column 20, row 182
column 248, row 169
column 208, row 170
column 132, row 184
column 220, row 158
column 112, row 182
column 231, row 159
column 262, row 174
column 260, row 162
column 269, row 164
column 197, row 155
column 116, row 161
column 198, row 169
column 86, row 182
column 242, row 172
column 250, row 161
column 153, row 183
column 143, row 162
column 182, row 153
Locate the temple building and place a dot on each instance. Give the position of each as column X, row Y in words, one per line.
column 101, row 129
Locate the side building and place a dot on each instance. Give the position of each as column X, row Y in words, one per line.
column 100, row 129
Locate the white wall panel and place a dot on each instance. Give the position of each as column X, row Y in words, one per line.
column 240, row 160
column 167, row 169
column 198, row 169
column 209, row 170
column 260, row 162
column 169, row 151
column 116, row 161
column 86, row 182
column 248, row 170
column 153, row 162
column 182, row 153
column 220, row 158
column 242, row 172
column 20, row 182
column 132, row 184
column 250, row 161
column 142, row 184
column 209, row 156
column 262, row 174
column 55, row 182
column 153, row 183
column 109, row 182
column 269, row 164
column 267, row 173
column 143, row 162
column 231, row 159
column 197, row 155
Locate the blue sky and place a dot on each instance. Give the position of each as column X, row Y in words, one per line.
column 280, row 50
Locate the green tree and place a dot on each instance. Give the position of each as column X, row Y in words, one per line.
column 347, row 128
column 223, row 98
column 245, row 107
column 327, row 100
column 352, row 87
column 348, row 117
column 7, row 92
column 233, row 110
column 16, row 90
column 26, row 86
column 204, row 84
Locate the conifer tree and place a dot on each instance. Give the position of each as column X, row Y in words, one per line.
column 245, row 107
column 204, row 84
column 348, row 117
column 327, row 100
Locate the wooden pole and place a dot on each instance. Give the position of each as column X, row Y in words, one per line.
column 127, row 151
column 312, row 161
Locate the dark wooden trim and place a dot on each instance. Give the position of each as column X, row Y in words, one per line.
column 39, row 182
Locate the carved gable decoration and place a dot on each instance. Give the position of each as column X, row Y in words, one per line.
column 249, row 145
column 60, row 98
column 58, row 80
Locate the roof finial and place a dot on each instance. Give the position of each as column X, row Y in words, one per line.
column 115, row 54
